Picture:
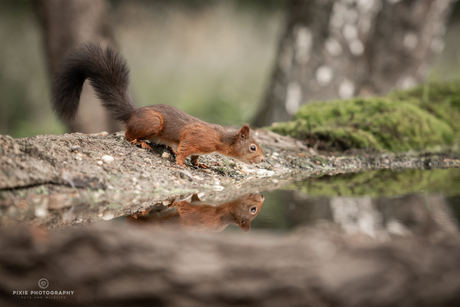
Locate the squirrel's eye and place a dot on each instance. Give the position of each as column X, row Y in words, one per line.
column 253, row 209
column 253, row 148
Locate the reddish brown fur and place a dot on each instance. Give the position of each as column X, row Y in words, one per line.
column 143, row 124
column 203, row 216
column 192, row 136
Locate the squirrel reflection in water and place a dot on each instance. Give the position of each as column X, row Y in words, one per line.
column 204, row 216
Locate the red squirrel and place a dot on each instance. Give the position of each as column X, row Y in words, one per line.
column 203, row 216
column 163, row 124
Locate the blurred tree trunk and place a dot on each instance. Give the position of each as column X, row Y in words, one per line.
column 67, row 24
column 345, row 48
column 111, row 265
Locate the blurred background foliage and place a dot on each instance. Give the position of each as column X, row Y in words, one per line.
column 210, row 58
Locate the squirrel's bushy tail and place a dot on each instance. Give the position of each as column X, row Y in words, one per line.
column 109, row 76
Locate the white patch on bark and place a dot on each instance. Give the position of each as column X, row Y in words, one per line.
column 356, row 47
column 337, row 20
column 437, row 45
column 442, row 30
column 365, row 6
column 324, row 75
column 422, row 69
column 293, row 97
column 368, row 10
column 346, row 89
column 304, row 43
column 351, row 16
column 364, row 25
column 357, row 215
column 407, row 82
column 350, row 32
column 395, row 227
column 410, row 41
column 333, row 47
column 439, row 28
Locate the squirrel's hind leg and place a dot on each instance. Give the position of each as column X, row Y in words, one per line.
column 144, row 124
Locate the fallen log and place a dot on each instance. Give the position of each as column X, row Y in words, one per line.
column 112, row 265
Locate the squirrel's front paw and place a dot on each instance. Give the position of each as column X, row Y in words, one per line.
column 200, row 165
column 143, row 145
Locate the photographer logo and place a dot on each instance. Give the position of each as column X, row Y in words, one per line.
column 44, row 293
column 43, row 283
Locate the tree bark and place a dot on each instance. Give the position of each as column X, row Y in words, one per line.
column 340, row 49
column 67, row 24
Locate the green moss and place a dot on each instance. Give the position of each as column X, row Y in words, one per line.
column 382, row 183
column 420, row 118
column 440, row 100
column 345, row 137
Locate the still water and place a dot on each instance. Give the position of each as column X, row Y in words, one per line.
column 378, row 204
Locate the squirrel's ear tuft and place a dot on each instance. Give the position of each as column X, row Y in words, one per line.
column 244, row 225
column 244, row 132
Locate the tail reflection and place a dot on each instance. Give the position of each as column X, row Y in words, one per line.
column 205, row 216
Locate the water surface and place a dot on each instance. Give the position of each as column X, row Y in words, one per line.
column 379, row 204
